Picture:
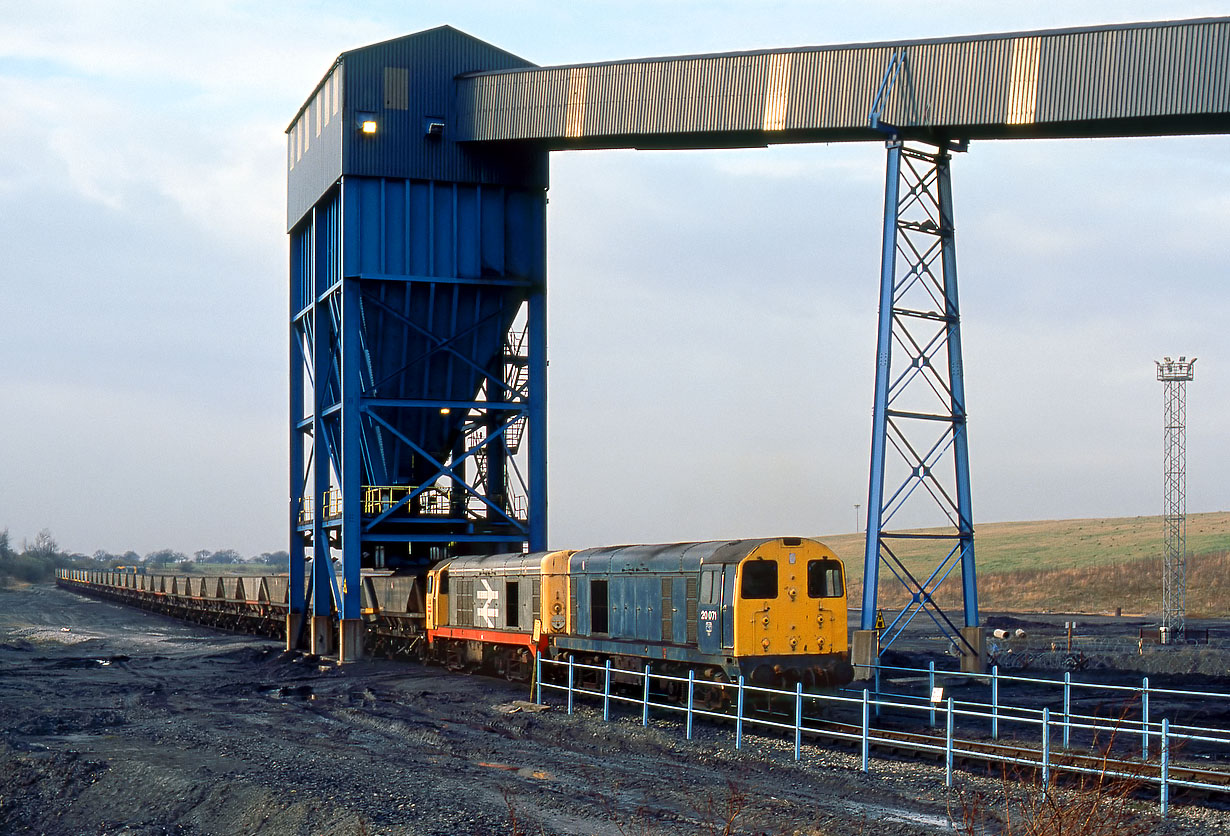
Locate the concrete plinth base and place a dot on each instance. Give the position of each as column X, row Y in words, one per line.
column 350, row 640
column 864, row 652
column 975, row 662
column 293, row 622
column 324, row 639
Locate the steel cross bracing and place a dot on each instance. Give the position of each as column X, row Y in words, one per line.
column 1174, row 563
column 406, row 428
column 919, row 455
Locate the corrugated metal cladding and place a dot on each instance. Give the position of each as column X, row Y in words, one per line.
column 429, row 339
column 314, row 146
column 404, row 85
column 1117, row 80
column 430, row 229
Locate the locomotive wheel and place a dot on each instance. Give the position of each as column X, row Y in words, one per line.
column 672, row 690
column 453, row 660
column 517, row 667
column 713, row 697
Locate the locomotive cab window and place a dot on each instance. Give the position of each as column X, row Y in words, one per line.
column 706, row 587
column 759, row 579
column 444, row 582
column 824, row 579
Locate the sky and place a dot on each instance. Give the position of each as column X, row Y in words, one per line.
column 712, row 314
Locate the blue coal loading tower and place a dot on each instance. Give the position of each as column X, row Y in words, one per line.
column 417, row 330
column 417, row 176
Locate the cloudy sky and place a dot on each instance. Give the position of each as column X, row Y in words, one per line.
column 712, row 313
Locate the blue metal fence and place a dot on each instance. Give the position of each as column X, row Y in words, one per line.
column 949, row 748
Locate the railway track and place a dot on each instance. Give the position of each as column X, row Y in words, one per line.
column 1083, row 765
column 1024, row 759
column 1005, row 756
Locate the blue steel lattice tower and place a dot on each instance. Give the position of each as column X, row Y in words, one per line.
column 417, row 330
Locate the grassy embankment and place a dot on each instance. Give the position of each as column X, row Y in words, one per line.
column 1070, row 565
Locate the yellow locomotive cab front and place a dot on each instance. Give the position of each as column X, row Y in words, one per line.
column 790, row 602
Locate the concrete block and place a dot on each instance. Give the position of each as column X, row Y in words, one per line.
column 324, row 638
column 864, row 652
column 975, row 662
column 350, row 640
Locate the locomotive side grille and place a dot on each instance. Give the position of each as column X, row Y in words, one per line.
column 465, row 602
column 667, row 610
column 572, row 604
column 536, row 599
column 693, row 595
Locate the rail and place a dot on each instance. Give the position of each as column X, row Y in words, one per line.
column 1039, row 756
column 1145, row 726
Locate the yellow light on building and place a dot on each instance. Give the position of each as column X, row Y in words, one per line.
column 368, row 126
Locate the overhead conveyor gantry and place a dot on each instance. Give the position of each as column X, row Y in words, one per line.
column 417, row 175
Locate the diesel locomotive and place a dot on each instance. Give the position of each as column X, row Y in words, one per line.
column 772, row 610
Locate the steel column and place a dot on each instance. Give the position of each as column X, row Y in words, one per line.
column 351, row 488
column 538, row 414
column 324, row 256
column 884, row 337
column 300, row 263
column 956, row 369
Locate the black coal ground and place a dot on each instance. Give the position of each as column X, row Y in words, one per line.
column 120, row 722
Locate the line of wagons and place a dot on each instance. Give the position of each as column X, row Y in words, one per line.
column 771, row 610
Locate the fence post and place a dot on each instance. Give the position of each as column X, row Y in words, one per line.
column 739, row 716
column 1046, row 748
column 1165, row 766
column 866, row 727
column 931, row 689
column 570, row 681
column 995, row 702
column 691, row 690
column 948, row 748
column 1144, row 719
column 645, row 708
column 1067, row 706
column 798, row 718
column 877, row 689
column 538, row 678
column 606, row 692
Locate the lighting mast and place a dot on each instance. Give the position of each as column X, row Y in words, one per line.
column 1175, row 374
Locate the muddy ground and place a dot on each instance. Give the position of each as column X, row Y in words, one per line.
column 121, row 722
